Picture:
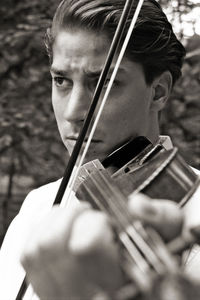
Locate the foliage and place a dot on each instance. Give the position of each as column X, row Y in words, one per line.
column 181, row 118
column 28, row 133
column 177, row 11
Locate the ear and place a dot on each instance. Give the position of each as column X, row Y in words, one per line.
column 162, row 86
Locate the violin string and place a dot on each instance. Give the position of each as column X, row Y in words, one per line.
column 134, row 264
column 159, row 249
column 163, row 252
column 104, row 100
column 140, row 278
column 152, row 238
column 133, row 251
column 151, row 244
column 121, row 214
column 117, row 202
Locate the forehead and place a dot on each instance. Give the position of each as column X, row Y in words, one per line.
column 84, row 37
column 78, row 48
column 81, row 52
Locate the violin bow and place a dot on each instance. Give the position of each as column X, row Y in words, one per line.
column 95, row 100
column 67, row 178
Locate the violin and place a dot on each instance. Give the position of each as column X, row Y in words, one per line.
column 139, row 166
column 151, row 168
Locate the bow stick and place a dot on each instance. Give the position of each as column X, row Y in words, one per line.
column 112, row 51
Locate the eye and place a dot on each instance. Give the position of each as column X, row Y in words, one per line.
column 115, row 83
column 62, row 82
column 58, row 80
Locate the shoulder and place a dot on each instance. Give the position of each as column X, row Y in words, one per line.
column 40, row 198
column 37, row 203
column 192, row 208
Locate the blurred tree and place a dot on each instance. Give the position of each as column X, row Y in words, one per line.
column 29, row 141
column 28, row 135
column 181, row 118
column 177, row 10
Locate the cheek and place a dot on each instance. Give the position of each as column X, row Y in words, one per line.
column 122, row 110
column 57, row 107
column 56, row 99
column 128, row 114
column 56, row 110
column 53, row 99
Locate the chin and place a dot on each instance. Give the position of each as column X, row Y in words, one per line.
column 92, row 154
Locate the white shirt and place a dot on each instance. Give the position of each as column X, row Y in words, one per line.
column 192, row 219
column 36, row 205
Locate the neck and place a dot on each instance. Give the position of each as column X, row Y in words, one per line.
column 152, row 131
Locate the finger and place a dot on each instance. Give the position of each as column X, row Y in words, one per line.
column 93, row 245
column 90, row 231
column 163, row 215
column 49, row 236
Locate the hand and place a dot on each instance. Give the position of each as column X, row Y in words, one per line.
column 61, row 252
column 163, row 215
column 73, row 254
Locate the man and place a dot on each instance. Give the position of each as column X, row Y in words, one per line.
column 70, row 253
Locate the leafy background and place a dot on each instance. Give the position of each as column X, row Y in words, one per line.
column 31, row 152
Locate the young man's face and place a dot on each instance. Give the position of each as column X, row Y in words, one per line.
column 78, row 58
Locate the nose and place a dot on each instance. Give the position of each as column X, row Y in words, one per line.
column 77, row 104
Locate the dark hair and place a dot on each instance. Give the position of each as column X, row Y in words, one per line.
column 153, row 43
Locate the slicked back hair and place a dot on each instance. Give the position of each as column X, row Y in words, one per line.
column 153, row 43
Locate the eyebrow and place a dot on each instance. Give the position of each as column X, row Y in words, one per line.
column 59, row 72
column 97, row 73
column 90, row 74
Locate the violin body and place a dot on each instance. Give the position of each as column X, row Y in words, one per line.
column 153, row 170
column 159, row 173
